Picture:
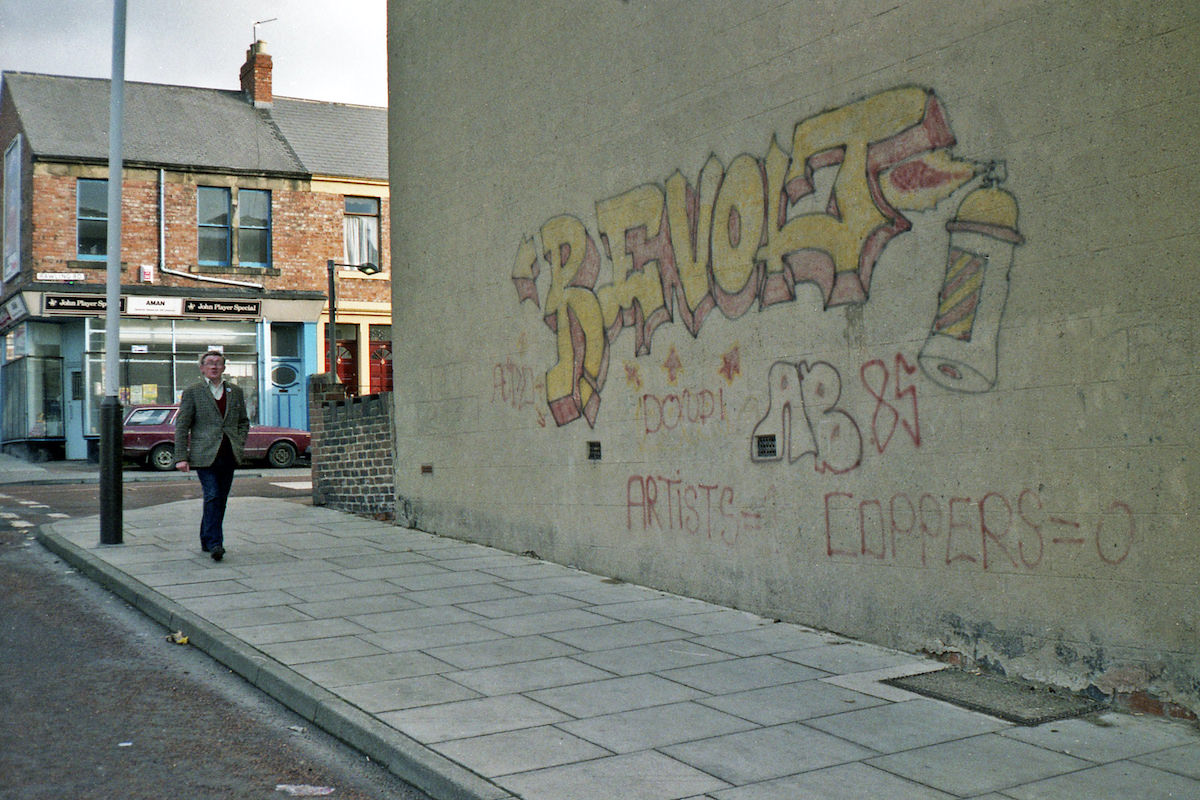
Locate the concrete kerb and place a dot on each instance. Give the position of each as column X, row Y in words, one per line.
column 404, row 757
column 126, row 477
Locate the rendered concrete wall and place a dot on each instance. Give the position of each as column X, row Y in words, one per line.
column 881, row 316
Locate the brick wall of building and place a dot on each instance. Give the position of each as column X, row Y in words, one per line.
column 306, row 231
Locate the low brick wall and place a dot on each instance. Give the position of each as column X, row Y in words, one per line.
column 352, row 449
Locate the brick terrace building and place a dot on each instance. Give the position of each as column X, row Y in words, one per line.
column 233, row 203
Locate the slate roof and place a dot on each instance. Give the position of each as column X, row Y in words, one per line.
column 203, row 129
column 335, row 139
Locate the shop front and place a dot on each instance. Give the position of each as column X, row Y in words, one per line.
column 53, row 373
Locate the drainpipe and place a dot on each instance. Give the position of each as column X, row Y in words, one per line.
column 162, row 219
column 207, row 279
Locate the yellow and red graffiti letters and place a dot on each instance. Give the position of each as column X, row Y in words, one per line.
column 573, row 312
column 743, row 233
column 837, row 248
column 631, row 228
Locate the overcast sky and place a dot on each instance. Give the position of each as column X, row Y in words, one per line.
column 333, row 50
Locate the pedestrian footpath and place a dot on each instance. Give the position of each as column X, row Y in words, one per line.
column 476, row 673
column 14, row 470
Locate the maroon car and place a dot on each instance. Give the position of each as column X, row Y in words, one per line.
column 150, row 437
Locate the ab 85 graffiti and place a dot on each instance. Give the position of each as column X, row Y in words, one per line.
column 803, row 417
column 745, row 233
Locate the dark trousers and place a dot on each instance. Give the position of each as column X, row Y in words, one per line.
column 216, row 482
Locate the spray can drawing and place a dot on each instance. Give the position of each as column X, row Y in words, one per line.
column 960, row 352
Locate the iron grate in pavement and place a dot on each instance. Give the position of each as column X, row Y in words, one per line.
column 1022, row 702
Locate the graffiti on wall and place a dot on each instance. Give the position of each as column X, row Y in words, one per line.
column 992, row 531
column 961, row 350
column 690, row 408
column 710, row 511
column 804, row 417
column 518, row 387
column 746, row 233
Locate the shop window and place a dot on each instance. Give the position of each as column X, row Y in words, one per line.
column 361, row 228
column 145, row 376
column 32, row 403
column 233, row 221
column 159, row 358
column 91, row 219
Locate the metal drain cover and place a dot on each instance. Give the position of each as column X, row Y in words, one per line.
column 1022, row 702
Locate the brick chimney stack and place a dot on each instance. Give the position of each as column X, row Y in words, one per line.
column 256, row 75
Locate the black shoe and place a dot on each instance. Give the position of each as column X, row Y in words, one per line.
column 218, row 553
column 204, row 549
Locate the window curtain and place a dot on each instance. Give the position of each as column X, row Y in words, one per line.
column 361, row 240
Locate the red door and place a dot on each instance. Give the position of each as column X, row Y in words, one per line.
column 347, row 364
column 381, row 367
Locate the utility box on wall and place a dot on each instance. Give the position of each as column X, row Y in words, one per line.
column 873, row 330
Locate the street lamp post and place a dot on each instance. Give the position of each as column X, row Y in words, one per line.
column 111, row 437
column 366, row 269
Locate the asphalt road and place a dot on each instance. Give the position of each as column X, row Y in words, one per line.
column 96, row 703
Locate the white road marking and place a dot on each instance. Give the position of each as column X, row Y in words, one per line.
column 293, row 484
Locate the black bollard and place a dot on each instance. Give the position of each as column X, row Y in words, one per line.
column 111, row 453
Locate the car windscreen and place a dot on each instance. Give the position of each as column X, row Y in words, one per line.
column 148, row 416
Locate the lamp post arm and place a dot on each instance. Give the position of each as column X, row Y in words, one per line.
column 367, row 268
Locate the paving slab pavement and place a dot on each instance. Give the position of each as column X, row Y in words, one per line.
column 476, row 673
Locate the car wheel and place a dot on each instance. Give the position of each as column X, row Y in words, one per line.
column 281, row 455
column 162, row 457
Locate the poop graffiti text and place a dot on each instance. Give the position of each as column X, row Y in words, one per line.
column 687, row 409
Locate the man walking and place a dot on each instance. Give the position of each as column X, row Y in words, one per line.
column 210, row 435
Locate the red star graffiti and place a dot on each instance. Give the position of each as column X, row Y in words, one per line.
column 673, row 366
column 731, row 364
column 633, row 376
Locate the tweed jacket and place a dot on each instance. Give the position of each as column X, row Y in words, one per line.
column 199, row 426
